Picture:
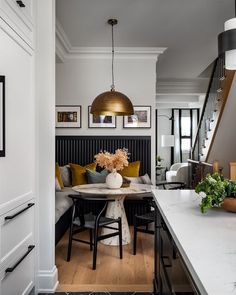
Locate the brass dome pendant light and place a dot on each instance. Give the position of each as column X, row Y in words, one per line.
column 112, row 103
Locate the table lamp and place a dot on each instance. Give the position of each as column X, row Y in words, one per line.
column 167, row 140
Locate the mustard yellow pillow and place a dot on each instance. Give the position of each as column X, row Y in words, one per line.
column 79, row 173
column 58, row 175
column 132, row 170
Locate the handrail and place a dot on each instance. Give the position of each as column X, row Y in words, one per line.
column 200, row 163
column 204, row 105
column 193, row 161
column 206, row 164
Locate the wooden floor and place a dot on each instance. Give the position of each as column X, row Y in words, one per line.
column 132, row 273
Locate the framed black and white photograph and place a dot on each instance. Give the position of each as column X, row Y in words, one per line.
column 140, row 119
column 96, row 121
column 68, row 116
column 2, row 116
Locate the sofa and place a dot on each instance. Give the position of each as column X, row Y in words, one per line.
column 178, row 173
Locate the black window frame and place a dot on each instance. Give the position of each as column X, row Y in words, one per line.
column 180, row 130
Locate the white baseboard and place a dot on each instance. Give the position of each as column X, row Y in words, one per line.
column 47, row 281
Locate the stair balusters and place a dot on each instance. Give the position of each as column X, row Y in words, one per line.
column 216, row 96
column 210, row 112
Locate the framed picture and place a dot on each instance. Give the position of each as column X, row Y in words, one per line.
column 2, row 116
column 68, row 116
column 95, row 121
column 140, row 119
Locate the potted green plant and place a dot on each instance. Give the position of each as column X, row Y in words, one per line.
column 159, row 159
column 218, row 192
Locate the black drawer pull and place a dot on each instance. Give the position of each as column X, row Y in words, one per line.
column 20, row 3
column 21, row 211
column 11, row 269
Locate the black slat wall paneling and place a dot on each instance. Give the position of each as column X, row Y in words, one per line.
column 81, row 149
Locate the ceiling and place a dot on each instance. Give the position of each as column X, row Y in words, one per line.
column 188, row 28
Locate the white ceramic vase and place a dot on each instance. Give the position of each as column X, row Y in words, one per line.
column 114, row 180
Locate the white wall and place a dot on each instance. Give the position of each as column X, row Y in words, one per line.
column 79, row 81
column 224, row 145
column 163, row 128
column 45, row 139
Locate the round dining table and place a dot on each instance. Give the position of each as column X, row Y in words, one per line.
column 114, row 209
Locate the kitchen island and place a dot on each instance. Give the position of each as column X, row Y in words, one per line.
column 205, row 245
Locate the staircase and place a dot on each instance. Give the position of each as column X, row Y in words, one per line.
column 216, row 97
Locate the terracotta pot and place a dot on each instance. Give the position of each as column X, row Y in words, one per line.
column 229, row 204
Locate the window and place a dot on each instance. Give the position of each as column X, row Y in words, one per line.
column 185, row 145
column 184, row 127
column 185, row 133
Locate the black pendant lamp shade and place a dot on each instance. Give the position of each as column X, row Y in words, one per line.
column 112, row 103
column 227, row 43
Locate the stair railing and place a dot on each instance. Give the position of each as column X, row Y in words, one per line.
column 212, row 109
column 207, row 110
column 216, row 97
column 197, row 171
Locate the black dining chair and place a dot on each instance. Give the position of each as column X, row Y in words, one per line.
column 82, row 220
column 142, row 222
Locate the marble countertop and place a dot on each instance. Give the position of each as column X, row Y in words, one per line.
column 207, row 242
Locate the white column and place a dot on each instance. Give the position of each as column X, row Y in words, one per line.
column 46, row 272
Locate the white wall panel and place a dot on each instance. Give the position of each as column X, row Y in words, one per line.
column 17, row 168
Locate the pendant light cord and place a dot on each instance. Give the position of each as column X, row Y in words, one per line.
column 112, row 63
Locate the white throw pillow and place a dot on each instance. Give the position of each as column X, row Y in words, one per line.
column 57, row 185
column 134, row 179
column 146, row 179
column 66, row 175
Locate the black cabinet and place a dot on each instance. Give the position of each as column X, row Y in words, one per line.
column 171, row 275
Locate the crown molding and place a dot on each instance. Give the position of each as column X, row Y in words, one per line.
column 179, row 93
column 59, row 53
column 179, row 101
column 65, row 50
column 182, row 87
column 62, row 38
column 120, row 52
column 179, row 98
column 177, row 105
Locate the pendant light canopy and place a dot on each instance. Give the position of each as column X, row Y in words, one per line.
column 112, row 103
column 227, row 43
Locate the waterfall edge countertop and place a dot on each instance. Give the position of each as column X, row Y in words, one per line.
column 207, row 242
